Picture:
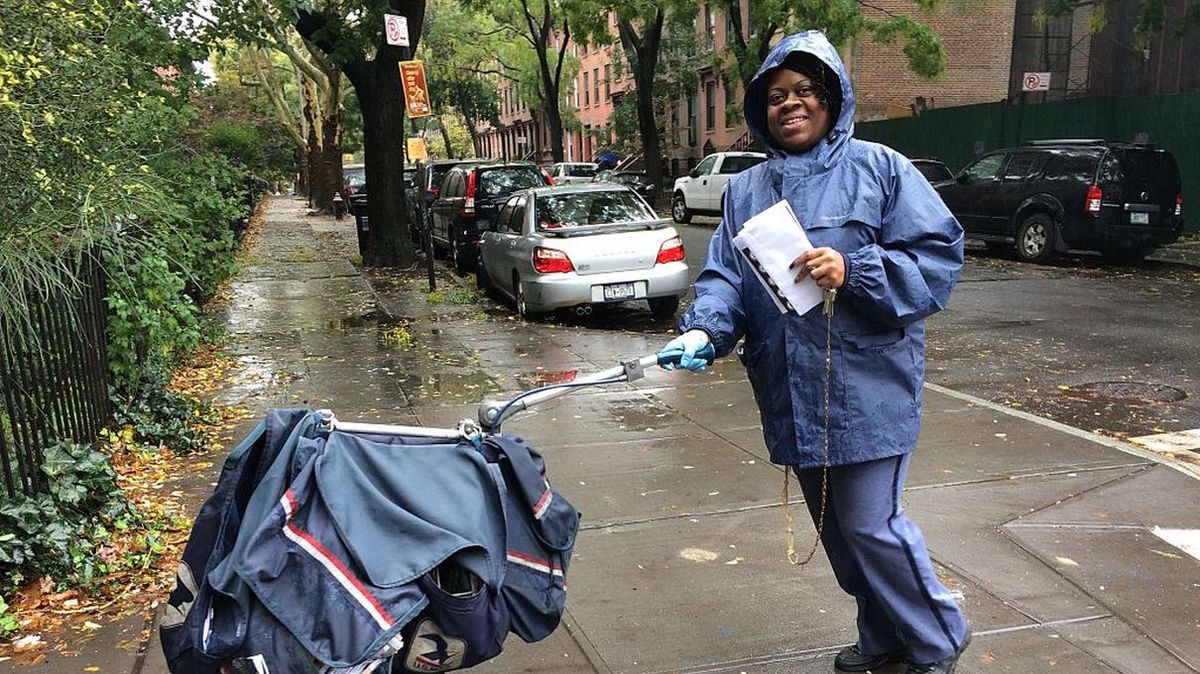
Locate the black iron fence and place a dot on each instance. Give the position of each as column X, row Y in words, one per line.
column 54, row 375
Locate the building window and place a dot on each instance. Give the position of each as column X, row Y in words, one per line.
column 730, row 99
column 729, row 29
column 710, row 25
column 607, row 81
column 586, row 89
column 596, row 85
column 710, row 105
column 693, row 129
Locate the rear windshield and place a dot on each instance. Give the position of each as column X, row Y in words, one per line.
column 934, row 172
column 739, row 164
column 580, row 209
column 581, row 170
column 632, row 179
column 501, row 181
column 1147, row 167
column 355, row 177
column 436, row 173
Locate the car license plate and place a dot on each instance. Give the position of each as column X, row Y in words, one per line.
column 1139, row 218
column 618, row 291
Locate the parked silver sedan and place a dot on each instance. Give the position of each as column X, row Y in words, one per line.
column 576, row 246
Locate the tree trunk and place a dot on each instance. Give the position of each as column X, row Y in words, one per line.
column 381, row 99
column 642, row 52
column 331, row 138
column 446, row 140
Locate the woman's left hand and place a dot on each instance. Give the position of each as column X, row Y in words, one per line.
column 825, row 265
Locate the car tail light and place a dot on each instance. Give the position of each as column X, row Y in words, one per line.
column 350, row 190
column 1094, row 196
column 549, row 179
column 468, row 206
column 670, row 251
column 551, row 261
column 434, row 191
column 1178, row 204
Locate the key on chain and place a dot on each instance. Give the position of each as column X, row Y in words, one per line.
column 829, row 295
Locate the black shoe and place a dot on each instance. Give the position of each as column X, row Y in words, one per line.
column 850, row 659
column 945, row 666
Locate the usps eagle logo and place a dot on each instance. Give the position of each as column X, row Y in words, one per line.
column 432, row 650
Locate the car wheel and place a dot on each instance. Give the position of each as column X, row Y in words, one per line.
column 663, row 307
column 679, row 210
column 459, row 257
column 1035, row 238
column 483, row 281
column 523, row 311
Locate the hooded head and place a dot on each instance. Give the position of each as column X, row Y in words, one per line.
column 810, row 87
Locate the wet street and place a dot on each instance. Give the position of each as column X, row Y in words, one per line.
column 1104, row 348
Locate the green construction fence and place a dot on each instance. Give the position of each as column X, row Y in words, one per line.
column 958, row 135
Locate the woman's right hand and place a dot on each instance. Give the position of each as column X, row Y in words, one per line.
column 692, row 350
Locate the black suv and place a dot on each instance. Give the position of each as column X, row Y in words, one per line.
column 469, row 198
column 1048, row 197
column 428, row 179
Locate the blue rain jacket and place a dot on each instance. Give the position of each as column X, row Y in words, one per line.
column 903, row 252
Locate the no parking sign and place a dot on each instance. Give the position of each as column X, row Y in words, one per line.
column 1035, row 82
column 395, row 28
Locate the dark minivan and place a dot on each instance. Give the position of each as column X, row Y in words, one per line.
column 429, row 176
column 469, row 198
column 1120, row 199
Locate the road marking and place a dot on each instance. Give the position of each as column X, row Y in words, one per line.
column 1178, row 441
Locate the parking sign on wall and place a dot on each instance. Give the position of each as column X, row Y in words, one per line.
column 1035, row 82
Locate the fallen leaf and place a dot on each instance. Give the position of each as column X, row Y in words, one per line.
column 1066, row 561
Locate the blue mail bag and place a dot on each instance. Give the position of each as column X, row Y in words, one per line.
column 213, row 533
column 541, row 527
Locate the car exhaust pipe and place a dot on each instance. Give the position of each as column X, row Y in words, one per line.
column 583, row 310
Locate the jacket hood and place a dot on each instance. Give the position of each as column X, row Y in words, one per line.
column 811, row 42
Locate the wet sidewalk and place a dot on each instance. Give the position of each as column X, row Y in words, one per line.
column 1054, row 538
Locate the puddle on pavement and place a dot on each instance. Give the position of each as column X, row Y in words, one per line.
column 638, row 413
column 545, row 377
column 1131, row 391
column 251, row 376
column 460, row 387
column 369, row 319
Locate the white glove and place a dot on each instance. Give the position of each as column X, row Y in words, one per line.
column 686, row 347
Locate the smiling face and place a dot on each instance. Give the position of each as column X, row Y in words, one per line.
column 796, row 117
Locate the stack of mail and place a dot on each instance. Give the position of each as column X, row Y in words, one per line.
column 770, row 241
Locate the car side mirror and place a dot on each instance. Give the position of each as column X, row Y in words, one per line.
column 694, row 173
column 962, row 179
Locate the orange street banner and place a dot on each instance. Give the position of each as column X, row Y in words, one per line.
column 416, row 93
column 416, row 150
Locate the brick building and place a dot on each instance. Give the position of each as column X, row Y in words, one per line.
column 978, row 39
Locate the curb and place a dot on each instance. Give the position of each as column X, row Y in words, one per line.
column 1181, row 466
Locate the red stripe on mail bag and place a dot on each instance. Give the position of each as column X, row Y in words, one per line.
column 332, row 564
column 535, row 563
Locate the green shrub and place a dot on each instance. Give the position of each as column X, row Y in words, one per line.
column 160, row 416
column 151, row 320
column 238, row 141
column 59, row 533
